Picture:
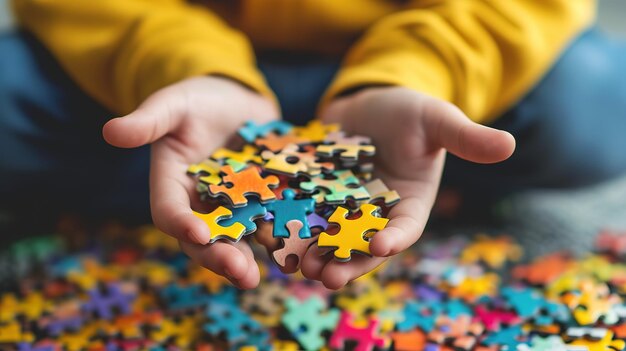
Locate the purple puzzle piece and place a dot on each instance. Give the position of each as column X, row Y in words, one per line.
column 56, row 327
column 316, row 220
column 103, row 303
column 427, row 293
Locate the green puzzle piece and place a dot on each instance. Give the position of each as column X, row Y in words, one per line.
column 307, row 320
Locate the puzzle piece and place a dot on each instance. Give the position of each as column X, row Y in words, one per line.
column 607, row 343
column 183, row 333
column 379, row 193
column 266, row 303
column 25, row 346
column 234, row 232
column 184, row 298
column 366, row 338
column 340, row 138
column 544, row 270
column 336, row 190
column 276, row 143
column 494, row 318
column 509, row 338
column 548, row 343
column 353, row 233
column 461, row 332
column 289, row 209
column 102, row 303
column 346, row 152
column 246, row 215
column 238, row 158
column 251, row 130
column 292, row 162
column 528, row 304
column 247, row 182
column 293, row 245
column 31, row 307
column 473, row 288
column 414, row 340
column 420, row 314
column 12, row 332
column 230, row 320
column 317, row 221
column 592, row 302
column 495, row 252
column 308, row 320
column 315, row 131
column 208, row 171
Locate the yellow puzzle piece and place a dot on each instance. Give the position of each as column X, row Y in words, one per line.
column 354, row 233
column 234, row 232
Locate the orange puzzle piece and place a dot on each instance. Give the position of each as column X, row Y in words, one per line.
column 246, row 182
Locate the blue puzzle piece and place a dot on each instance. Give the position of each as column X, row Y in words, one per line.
column 251, row 131
column 230, row 320
column 525, row 301
column 506, row 337
column 422, row 315
column 246, row 215
column 184, row 297
column 455, row 308
column 66, row 265
column 528, row 303
column 103, row 303
column 289, row 209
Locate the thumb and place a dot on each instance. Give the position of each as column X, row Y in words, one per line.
column 156, row 117
column 454, row 131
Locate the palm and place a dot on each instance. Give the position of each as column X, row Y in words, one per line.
column 185, row 123
column 411, row 132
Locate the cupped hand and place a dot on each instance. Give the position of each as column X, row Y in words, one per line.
column 185, row 123
column 412, row 132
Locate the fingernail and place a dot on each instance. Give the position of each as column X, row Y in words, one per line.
column 200, row 238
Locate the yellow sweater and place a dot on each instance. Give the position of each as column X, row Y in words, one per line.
column 482, row 55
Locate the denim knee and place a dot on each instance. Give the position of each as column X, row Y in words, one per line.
column 576, row 136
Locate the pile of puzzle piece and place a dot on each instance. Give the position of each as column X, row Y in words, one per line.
column 301, row 179
column 132, row 289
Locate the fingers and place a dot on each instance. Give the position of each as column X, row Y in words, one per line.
column 407, row 221
column 156, row 117
column 235, row 261
column 170, row 190
column 336, row 274
column 314, row 262
column 454, row 131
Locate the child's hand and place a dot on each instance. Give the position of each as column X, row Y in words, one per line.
column 411, row 131
column 185, row 123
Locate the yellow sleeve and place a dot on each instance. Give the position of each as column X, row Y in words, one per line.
column 482, row 55
column 121, row 51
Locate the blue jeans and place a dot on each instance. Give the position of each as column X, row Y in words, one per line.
column 571, row 131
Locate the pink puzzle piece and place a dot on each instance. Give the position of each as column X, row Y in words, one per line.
column 492, row 319
column 365, row 337
column 293, row 245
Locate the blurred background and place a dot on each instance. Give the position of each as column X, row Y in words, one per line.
column 611, row 16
